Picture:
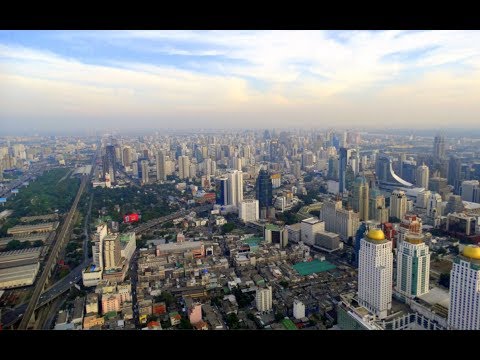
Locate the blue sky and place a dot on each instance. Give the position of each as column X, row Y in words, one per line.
column 68, row 80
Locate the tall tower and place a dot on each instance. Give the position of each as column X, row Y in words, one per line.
column 145, row 169
column 377, row 208
column 109, row 163
column 111, row 251
column 413, row 266
column 183, row 167
column 439, row 147
column 342, row 169
column 410, row 224
column 221, row 190
column 423, row 176
column 454, row 173
column 464, row 311
column 264, row 189
column 375, row 272
column 360, row 197
column 235, row 187
column 398, row 204
column 161, row 164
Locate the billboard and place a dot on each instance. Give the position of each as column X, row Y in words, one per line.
column 3, row 200
column 130, row 218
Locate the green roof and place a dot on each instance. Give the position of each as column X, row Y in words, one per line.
column 288, row 324
column 272, row 227
column 253, row 241
column 315, row 266
column 110, row 315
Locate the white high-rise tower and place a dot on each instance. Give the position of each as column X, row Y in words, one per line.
column 183, row 167
column 464, row 311
column 413, row 266
column 375, row 272
column 423, row 175
column 161, row 165
column 235, row 187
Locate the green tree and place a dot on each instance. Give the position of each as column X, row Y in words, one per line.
column 38, row 243
column 228, row 227
column 284, row 283
column 279, row 317
column 13, row 245
column 232, row 321
column 185, row 324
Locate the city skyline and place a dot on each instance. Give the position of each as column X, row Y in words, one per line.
column 67, row 81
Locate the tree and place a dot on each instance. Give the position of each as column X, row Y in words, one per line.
column 278, row 317
column 38, row 243
column 228, row 227
column 232, row 321
column 444, row 280
column 185, row 324
column 284, row 283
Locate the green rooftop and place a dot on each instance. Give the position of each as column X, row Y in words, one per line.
column 253, row 241
column 272, row 227
column 110, row 314
column 315, row 266
column 288, row 324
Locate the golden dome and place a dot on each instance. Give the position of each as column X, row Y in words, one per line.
column 376, row 234
column 472, row 251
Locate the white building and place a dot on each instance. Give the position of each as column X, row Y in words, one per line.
column 469, row 189
column 375, row 272
column 310, row 228
column 263, row 298
column 97, row 247
column 423, row 176
column 434, row 206
column 161, row 166
column 235, row 187
column 398, row 204
column 248, row 210
column 413, row 266
column 347, row 222
column 145, row 170
column 464, row 311
column 298, row 309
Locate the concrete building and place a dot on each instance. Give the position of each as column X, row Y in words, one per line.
column 413, row 266
column 298, row 309
column 145, row 171
column 91, row 275
column 263, row 299
column 310, row 228
column 183, row 167
column 111, row 251
column 195, row 313
column 328, row 241
column 346, row 223
column 274, row 234
column 423, row 176
column 235, row 187
column 377, row 208
column 398, row 204
column 360, row 197
column 38, row 228
column 469, row 189
column 128, row 245
column 248, row 210
column 434, row 206
column 18, row 276
column 409, row 224
column 461, row 223
column 375, row 273
column 294, row 232
column 91, row 305
column 110, row 302
column 328, row 213
column 161, row 166
column 97, row 247
column 464, row 311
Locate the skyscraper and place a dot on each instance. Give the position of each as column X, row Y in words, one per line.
column 109, row 163
column 439, row 147
column 342, row 169
column 423, row 176
column 377, row 209
column 183, row 167
column 375, row 271
column 264, row 189
column 145, row 172
column 454, row 168
column 111, row 251
column 221, row 190
column 248, row 210
column 413, row 266
column 464, row 311
column 360, row 197
column 398, row 204
column 161, row 164
column 235, row 187
column 469, row 190
column 410, row 224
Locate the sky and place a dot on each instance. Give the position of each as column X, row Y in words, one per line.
column 133, row 80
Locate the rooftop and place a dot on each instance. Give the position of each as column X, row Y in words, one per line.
column 314, row 266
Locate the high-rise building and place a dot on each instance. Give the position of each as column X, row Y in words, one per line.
column 454, row 204
column 235, row 187
column 310, row 228
column 469, row 189
column 423, row 176
column 145, row 172
column 161, row 166
column 263, row 299
column 413, row 266
column 264, row 189
column 377, row 209
column 454, row 169
column 183, row 167
column 398, row 204
column 111, row 251
column 97, row 247
column 410, row 224
column 346, row 223
column 248, row 210
column 434, row 206
column 328, row 213
column 408, row 170
column 360, row 197
column 298, row 309
column 109, row 163
column 221, row 190
column 464, row 311
column 342, row 168
column 439, row 147
column 375, row 272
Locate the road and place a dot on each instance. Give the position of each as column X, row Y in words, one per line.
column 60, row 243
column 154, row 222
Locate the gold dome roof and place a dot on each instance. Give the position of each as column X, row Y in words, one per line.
column 376, row 234
column 472, row 251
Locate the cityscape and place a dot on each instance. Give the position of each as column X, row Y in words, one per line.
column 238, row 201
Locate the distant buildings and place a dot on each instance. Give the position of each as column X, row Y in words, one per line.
column 423, row 176
column 398, row 204
column 109, row 163
column 375, row 273
column 310, row 228
column 439, row 147
column 360, row 197
column 464, row 311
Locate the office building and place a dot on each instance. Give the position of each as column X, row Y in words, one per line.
column 423, row 176
column 398, row 204
column 464, row 310
column 410, row 224
column 183, row 167
column 439, row 147
column 97, row 247
column 375, row 272
column 454, row 173
column 434, row 206
column 360, row 197
column 145, row 172
column 347, row 222
column 111, row 251
column 328, row 213
column 264, row 190
column 263, row 299
column 413, row 266
column 221, row 191
column 342, row 168
column 274, row 234
column 109, row 163
column 161, row 166
column 469, row 190
column 377, row 208
column 248, row 210
column 310, row 228
column 235, row 187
